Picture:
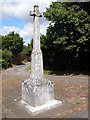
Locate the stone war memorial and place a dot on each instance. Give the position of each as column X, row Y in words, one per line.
column 37, row 92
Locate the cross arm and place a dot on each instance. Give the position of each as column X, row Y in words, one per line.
column 33, row 13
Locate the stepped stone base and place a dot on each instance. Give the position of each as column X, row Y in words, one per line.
column 41, row 108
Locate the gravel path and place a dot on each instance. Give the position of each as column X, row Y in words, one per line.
column 83, row 114
column 17, row 70
column 20, row 72
column 74, row 79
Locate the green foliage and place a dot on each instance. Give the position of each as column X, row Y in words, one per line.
column 70, row 25
column 27, row 49
column 67, row 41
column 0, row 59
column 12, row 42
column 5, row 60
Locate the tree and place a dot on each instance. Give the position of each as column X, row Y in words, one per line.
column 68, row 35
column 27, row 49
column 6, row 58
column 12, row 42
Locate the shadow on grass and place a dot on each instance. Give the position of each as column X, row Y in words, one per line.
column 66, row 72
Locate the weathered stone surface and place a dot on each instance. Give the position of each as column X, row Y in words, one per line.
column 36, row 94
column 37, row 65
column 37, row 91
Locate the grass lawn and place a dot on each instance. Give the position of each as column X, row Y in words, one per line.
column 45, row 71
column 64, row 72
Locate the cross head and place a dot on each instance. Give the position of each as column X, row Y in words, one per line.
column 35, row 12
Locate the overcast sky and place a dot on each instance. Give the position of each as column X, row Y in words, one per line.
column 14, row 16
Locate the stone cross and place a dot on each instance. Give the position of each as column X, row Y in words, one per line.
column 37, row 61
column 37, row 92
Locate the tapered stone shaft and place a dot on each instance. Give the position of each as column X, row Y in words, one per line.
column 36, row 30
column 37, row 61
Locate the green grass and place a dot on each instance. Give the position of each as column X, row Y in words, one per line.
column 28, row 68
column 64, row 72
column 49, row 72
column 45, row 71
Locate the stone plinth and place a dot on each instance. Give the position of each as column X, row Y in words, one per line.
column 39, row 94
